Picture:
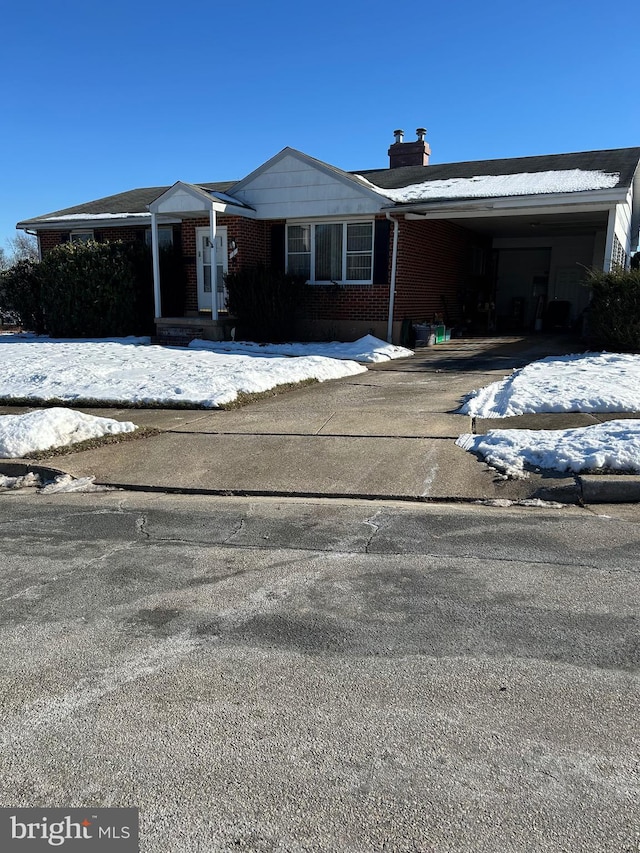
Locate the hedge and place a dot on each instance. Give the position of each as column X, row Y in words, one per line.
column 614, row 311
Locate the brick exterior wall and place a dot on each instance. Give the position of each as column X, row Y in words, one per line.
column 252, row 237
column 50, row 239
column 435, row 270
column 434, row 273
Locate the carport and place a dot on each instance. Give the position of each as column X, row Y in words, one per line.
column 532, row 272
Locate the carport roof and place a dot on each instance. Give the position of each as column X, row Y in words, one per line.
column 623, row 161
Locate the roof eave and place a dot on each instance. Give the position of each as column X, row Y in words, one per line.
column 605, row 198
column 52, row 224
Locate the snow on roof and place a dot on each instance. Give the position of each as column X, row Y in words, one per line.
column 79, row 216
column 491, row 186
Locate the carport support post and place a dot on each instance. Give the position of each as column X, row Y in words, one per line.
column 214, row 265
column 608, row 248
column 155, row 253
column 392, row 283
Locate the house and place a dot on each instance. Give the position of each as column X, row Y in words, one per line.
column 488, row 245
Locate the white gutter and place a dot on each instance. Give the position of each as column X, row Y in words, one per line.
column 392, row 283
column 601, row 198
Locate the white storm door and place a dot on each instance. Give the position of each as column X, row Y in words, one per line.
column 204, row 272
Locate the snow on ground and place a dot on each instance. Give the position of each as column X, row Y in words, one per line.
column 614, row 445
column 22, row 435
column 61, row 484
column 365, row 350
column 123, row 371
column 593, row 382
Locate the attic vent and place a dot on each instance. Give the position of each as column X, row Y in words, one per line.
column 409, row 153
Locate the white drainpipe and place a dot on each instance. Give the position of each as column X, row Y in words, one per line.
column 392, row 283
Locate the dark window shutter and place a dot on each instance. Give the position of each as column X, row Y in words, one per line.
column 382, row 230
column 97, row 236
column 65, row 236
column 278, row 260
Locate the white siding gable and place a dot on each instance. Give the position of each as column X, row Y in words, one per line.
column 179, row 200
column 291, row 187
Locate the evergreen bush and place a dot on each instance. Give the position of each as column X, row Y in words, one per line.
column 89, row 290
column 21, row 294
column 93, row 289
column 614, row 312
column 265, row 303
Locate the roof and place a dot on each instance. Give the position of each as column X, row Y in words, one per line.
column 130, row 202
column 586, row 170
column 621, row 160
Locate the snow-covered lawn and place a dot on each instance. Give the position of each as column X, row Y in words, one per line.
column 614, row 446
column 366, row 350
column 127, row 372
column 22, row 435
column 594, row 382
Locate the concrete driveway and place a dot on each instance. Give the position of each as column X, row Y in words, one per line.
column 388, row 433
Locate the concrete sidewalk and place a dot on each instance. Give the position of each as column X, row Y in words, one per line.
column 389, row 433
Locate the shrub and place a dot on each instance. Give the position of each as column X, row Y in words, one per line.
column 265, row 302
column 21, row 294
column 89, row 290
column 614, row 312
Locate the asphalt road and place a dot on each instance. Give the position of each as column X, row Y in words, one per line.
column 320, row 676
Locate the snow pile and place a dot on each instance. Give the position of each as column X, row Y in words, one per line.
column 66, row 484
column 22, row 481
column 496, row 186
column 21, row 435
column 40, row 369
column 365, row 350
column 594, row 382
column 614, row 445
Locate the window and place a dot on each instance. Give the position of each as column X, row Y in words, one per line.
column 331, row 251
column 81, row 236
column 165, row 237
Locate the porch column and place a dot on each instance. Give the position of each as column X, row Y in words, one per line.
column 214, row 264
column 155, row 253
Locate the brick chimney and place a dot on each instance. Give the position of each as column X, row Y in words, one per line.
column 409, row 153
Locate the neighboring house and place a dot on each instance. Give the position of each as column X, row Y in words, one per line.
column 487, row 245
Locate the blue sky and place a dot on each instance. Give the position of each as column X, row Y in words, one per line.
column 98, row 98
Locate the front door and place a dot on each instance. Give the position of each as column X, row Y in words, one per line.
column 204, row 272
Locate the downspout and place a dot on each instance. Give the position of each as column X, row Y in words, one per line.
column 392, row 283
